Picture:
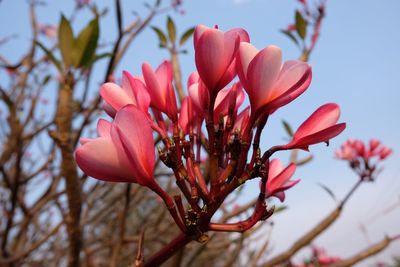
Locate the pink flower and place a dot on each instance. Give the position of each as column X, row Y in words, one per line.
column 215, row 52
column 124, row 152
column 352, row 149
column 159, row 86
column 279, row 179
column 187, row 117
column 200, row 97
column 133, row 92
column 385, row 152
column 319, row 127
column 268, row 83
column 48, row 30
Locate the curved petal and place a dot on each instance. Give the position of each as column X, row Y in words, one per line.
column 100, row 158
column 193, row 78
column 245, row 55
column 157, row 93
column 275, row 168
column 280, row 180
column 164, row 74
column 132, row 128
column 140, row 95
column 114, row 96
column 318, row 137
column 262, row 73
column 280, row 195
column 214, row 53
column 209, row 57
column 104, row 128
column 324, row 117
column 291, row 94
column 198, row 31
column 243, row 34
column 292, row 72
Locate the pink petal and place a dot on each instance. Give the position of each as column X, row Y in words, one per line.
column 100, row 158
column 245, row 55
column 292, row 72
column 104, row 128
column 164, row 74
column 262, row 73
column 324, row 117
column 214, row 53
column 132, row 128
column 292, row 93
column 183, row 115
column 243, row 34
column 278, row 181
column 209, row 57
column 114, row 96
column 141, row 98
column 280, row 195
column 198, row 31
column 157, row 93
column 126, row 84
column 318, row 137
column 275, row 168
column 193, row 78
column 200, row 97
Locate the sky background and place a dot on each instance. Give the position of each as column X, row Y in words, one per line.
column 356, row 64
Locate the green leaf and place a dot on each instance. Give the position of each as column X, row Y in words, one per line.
column 287, row 127
column 186, row 35
column 328, row 190
column 290, row 35
column 171, row 29
column 65, row 41
column 301, row 25
column 86, row 43
column 161, row 36
column 50, row 56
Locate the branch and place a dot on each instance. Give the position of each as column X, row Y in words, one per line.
column 366, row 253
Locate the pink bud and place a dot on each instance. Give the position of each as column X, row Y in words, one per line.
column 159, row 86
column 215, row 52
column 385, row 152
column 319, row 127
column 279, row 179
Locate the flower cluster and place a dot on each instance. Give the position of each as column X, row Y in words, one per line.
column 209, row 120
column 319, row 258
column 363, row 158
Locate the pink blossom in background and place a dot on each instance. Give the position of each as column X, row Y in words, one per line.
column 364, row 158
column 48, row 30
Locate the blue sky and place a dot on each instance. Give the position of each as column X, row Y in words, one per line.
column 356, row 63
